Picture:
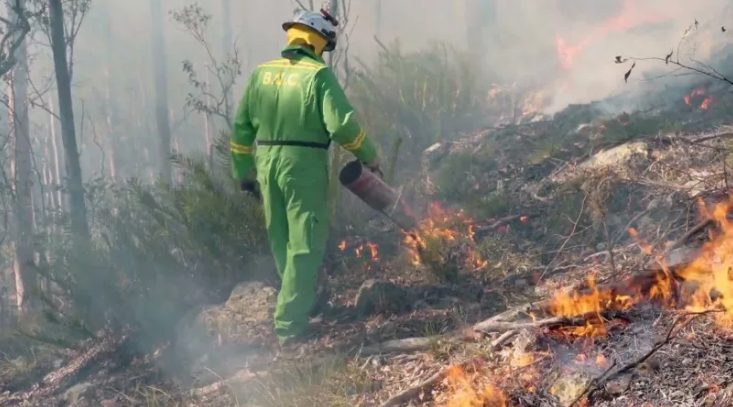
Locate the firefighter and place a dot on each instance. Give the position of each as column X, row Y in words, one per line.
column 292, row 109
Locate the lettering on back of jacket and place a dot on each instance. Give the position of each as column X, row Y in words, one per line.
column 280, row 79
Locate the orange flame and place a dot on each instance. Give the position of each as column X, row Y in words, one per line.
column 465, row 395
column 601, row 360
column 712, row 270
column 706, row 103
column 709, row 277
column 694, row 97
column 373, row 251
column 630, row 16
column 592, row 304
column 367, row 249
column 446, row 228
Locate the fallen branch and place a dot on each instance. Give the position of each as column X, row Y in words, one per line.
column 239, row 378
column 496, row 343
column 405, row 345
column 511, row 313
column 62, row 378
column 697, row 228
column 501, row 326
column 712, row 137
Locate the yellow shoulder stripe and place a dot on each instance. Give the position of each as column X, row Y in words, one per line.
column 357, row 143
column 240, row 148
column 283, row 66
column 285, row 63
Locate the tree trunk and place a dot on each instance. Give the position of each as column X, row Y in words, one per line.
column 333, row 9
column 160, row 68
column 25, row 278
column 56, row 179
column 336, row 155
column 111, row 115
column 77, row 205
column 228, row 42
column 479, row 16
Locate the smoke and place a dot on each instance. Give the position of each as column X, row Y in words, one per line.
column 564, row 48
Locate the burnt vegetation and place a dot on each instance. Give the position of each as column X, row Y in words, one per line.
column 578, row 258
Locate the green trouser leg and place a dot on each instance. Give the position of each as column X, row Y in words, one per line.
column 296, row 177
column 276, row 220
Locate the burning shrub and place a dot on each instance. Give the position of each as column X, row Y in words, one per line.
column 445, row 244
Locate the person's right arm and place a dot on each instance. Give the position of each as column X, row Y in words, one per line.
column 340, row 120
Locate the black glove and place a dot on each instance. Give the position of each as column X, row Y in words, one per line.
column 251, row 187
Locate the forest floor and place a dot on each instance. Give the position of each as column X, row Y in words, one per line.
column 549, row 301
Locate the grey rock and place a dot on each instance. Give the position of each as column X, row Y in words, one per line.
column 376, row 297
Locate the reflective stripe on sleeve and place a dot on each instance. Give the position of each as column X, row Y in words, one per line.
column 357, row 143
column 240, row 148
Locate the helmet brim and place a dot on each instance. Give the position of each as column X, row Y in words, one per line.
column 290, row 24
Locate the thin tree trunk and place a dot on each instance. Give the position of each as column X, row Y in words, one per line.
column 25, row 278
column 336, row 153
column 228, row 42
column 479, row 15
column 160, row 68
column 77, row 205
column 56, row 179
column 110, row 138
column 144, row 126
column 209, row 127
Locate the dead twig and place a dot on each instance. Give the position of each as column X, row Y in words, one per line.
column 413, row 392
column 496, row 343
column 695, row 229
column 570, row 236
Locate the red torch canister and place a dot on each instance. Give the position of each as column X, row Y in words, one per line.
column 377, row 194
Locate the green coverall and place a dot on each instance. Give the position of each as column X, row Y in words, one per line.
column 292, row 108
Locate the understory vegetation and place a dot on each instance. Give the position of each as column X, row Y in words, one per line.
column 159, row 251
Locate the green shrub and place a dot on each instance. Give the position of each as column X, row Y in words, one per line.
column 157, row 251
column 416, row 99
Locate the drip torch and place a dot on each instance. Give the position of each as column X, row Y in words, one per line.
column 378, row 195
